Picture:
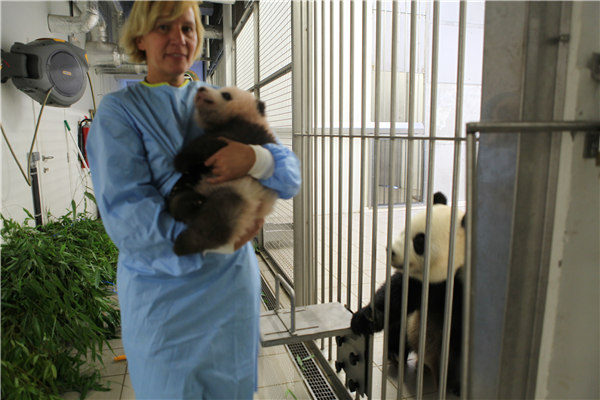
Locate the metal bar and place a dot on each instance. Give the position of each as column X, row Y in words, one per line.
column 273, row 77
column 363, row 116
column 340, row 149
column 245, row 17
column 301, row 272
column 532, row 126
column 311, row 286
column 375, row 182
column 280, row 281
column 409, row 158
column 331, row 46
column 315, row 119
column 363, row 163
column 35, row 193
column 256, row 15
column 351, row 157
column 322, row 166
column 467, row 273
column 462, row 27
column 391, row 181
column 404, row 137
column 431, row 162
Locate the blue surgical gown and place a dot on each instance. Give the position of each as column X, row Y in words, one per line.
column 189, row 324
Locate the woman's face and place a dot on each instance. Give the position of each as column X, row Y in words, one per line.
column 170, row 48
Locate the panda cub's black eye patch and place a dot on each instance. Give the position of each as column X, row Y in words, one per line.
column 419, row 243
column 226, row 96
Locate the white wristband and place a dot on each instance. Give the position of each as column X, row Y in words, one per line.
column 227, row 248
column 264, row 166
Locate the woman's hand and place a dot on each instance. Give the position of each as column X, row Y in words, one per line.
column 231, row 162
column 258, row 223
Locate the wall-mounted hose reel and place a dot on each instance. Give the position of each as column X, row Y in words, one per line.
column 38, row 66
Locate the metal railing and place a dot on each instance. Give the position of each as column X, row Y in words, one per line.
column 339, row 66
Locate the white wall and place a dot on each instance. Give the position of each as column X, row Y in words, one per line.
column 64, row 179
column 569, row 365
column 446, row 111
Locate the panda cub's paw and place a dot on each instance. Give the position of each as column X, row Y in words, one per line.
column 363, row 322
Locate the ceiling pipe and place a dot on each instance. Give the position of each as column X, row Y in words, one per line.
column 100, row 51
column 83, row 23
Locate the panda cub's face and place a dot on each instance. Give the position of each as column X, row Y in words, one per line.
column 215, row 107
column 439, row 243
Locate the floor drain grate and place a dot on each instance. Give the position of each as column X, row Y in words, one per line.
column 313, row 376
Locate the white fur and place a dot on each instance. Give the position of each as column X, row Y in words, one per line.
column 212, row 109
column 439, row 244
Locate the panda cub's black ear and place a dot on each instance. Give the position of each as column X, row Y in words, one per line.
column 439, row 198
column 260, row 105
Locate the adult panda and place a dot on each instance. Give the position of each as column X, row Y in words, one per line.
column 218, row 214
column 367, row 321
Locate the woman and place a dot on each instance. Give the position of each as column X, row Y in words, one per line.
column 189, row 324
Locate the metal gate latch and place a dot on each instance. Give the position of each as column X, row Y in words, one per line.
column 591, row 147
column 352, row 357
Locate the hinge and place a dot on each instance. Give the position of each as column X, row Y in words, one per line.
column 591, row 146
column 596, row 66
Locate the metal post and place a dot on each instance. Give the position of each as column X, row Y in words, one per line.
column 351, row 158
column 391, row 177
column 301, row 266
column 341, row 149
column 375, row 181
column 462, row 27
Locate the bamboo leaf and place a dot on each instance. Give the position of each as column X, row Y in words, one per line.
column 55, row 308
column 28, row 213
column 90, row 196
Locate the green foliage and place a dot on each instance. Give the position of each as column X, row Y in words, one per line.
column 58, row 308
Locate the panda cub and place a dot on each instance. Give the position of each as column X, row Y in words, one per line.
column 217, row 215
column 365, row 322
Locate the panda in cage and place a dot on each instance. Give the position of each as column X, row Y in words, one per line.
column 364, row 321
column 219, row 214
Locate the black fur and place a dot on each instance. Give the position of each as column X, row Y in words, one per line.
column 369, row 319
column 439, row 198
column 217, row 208
column 192, row 156
column 210, row 220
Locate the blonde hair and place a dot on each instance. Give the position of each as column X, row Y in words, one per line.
column 142, row 20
